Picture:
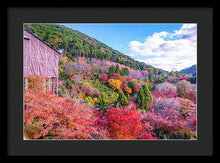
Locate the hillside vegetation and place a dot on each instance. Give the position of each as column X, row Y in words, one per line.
column 189, row 70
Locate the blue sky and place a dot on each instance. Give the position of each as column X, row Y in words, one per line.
column 160, row 45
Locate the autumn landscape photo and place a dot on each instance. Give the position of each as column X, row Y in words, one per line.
column 110, row 81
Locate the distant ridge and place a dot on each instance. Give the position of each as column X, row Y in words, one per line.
column 189, row 70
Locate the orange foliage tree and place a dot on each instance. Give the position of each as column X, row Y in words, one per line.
column 115, row 84
column 117, row 76
column 128, row 90
column 37, row 83
column 64, row 59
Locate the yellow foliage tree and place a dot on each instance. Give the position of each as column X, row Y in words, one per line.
column 64, row 59
column 124, row 59
column 115, row 84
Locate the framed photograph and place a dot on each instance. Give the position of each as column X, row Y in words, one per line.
column 110, row 81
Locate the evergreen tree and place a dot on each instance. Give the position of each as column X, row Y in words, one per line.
column 154, row 86
column 148, row 96
column 117, row 70
column 124, row 71
column 111, row 70
column 140, row 98
column 144, row 98
column 150, row 87
column 102, row 101
column 122, row 99
column 147, row 80
column 151, row 75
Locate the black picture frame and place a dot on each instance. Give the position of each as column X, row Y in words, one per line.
column 16, row 16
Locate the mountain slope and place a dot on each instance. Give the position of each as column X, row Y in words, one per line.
column 76, row 44
column 189, row 70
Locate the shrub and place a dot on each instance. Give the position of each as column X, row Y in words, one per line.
column 192, row 95
column 165, row 87
column 48, row 116
column 128, row 79
column 136, row 87
column 132, row 83
column 182, row 88
column 113, row 97
column 63, row 91
column 36, row 83
column 124, row 123
column 175, row 79
column 90, row 91
column 157, row 94
column 172, row 118
column 187, row 108
column 124, row 71
column 128, row 90
column 159, row 104
column 159, row 80
column 103, row 77
column 169, row 80
column 90, row 101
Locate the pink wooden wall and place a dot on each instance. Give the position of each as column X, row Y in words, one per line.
column 39, row 58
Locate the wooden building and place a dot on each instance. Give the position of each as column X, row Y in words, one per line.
column 40, row 59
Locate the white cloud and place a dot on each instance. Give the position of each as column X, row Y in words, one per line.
column 169, row 64
column 169, row 51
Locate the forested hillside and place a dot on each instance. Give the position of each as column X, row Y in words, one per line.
column 189, row 70
column 77, row 44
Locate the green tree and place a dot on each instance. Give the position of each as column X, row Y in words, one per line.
column 175, row 79
column 151, row 75
column 153, row 88
column 156, row 71
column 182, row 88
column 141, row 99
column 124, row 71
column 144, row 98
column 147, row 80
column 102, row 101
column 111, row 70
column 147, row 94
column 172, row 73
column 132, row 83
column 117, row 70
column 160, row 80
column 150, row 87
column 90, row 101
column 121, row 100
column 164, row 75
